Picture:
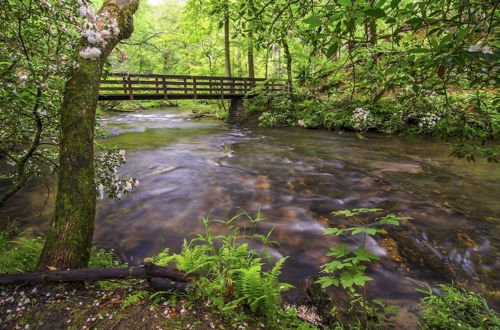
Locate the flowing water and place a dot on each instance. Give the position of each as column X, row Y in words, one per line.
column 189, row 169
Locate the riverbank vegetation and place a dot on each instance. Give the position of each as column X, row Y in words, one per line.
column 232, row 289
column 401, row 67
column 412, row 67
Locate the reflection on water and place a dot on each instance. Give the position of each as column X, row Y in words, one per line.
column 189, row 169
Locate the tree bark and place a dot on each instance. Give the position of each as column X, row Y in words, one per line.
column 149, row 270
column 251, row 67
column 289, row 74
column 227, row 46
column 69, row 238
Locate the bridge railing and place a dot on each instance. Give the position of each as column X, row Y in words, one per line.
column 153, row 86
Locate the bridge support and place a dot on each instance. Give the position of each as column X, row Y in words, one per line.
column 237, row 111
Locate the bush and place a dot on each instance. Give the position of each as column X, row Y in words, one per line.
column 21, row 254
column 231, row 274
column 457, row 308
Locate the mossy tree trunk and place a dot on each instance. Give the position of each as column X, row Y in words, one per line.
column 250, row 56
column 289, row 74
column 69, row 238
column 227, row 46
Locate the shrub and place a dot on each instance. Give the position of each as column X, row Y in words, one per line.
column 457, row 308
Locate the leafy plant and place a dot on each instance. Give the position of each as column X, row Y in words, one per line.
column 231, row 274
column 21, row 254
column 348, row 267
column 454, row 307
column 134, row 298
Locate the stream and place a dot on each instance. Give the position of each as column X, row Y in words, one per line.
column 193, row 168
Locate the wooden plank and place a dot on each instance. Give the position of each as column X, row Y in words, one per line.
column 187, row 90
column 130, row 89
column 180, row 76
column 194, row 87
column 181, row 96
column 169, row 82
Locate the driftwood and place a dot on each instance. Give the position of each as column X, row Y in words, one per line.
column 160, row 277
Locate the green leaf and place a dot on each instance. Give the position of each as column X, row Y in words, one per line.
column 313, row 21
column 395, row 3
column 363, row 255
column 335, row 265
column 348, row 279
column 327, row 281
column 415, row 21
column 368, row 231
column 339, row 251
column 345, row 3
column 418, row 50
column 332, row 50
column 378, row 96
column 334, row 231
column 375, row 12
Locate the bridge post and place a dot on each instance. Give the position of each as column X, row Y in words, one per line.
column 237, row 111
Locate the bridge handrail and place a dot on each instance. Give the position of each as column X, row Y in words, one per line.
column 157, row 86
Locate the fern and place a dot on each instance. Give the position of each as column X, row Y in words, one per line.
column 230, row 271
column 260, row 290
column 134, row 298
column 162, row 259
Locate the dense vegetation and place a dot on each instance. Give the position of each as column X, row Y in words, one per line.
column 411, row 67
column 415, row 67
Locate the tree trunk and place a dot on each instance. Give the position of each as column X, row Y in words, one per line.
column 227, row 50
column 251, row 68
column 69, row 238
column 289, row 75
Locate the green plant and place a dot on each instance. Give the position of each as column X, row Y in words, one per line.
column 454, row 307
column 21, row 254
column 231, row 275
column 134, row 298
column 347, row 269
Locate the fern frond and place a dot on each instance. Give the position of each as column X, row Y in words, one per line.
column 134, row 298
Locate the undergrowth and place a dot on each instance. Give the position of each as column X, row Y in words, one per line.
column 20, row 254
column 232, row 275
column 453, row 307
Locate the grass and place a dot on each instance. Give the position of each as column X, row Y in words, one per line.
column 20, row 254
column 453, row 307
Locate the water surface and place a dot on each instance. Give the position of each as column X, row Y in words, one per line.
column 189, row 169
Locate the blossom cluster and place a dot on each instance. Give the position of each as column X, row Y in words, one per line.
column 478, row 48
column 361, row 118
column 107, row 179
column 96, row 37
column 429, row 120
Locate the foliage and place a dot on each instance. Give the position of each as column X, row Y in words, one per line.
column 21, row 254
column 453, row 307
column 231, row 272
column 134, row 298
column 348, row 267
column 36, row 50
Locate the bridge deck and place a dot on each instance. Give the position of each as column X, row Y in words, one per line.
column 170, row 87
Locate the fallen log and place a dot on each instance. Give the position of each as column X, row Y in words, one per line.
column 148, row 270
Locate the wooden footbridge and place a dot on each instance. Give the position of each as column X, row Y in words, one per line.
column 170, row 87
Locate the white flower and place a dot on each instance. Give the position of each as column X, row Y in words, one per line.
column 90, row 53
column 105, row 33
column 474, row 48
column 82, row 11
column 487, row 50
column 301, row 122
column 100, row 195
